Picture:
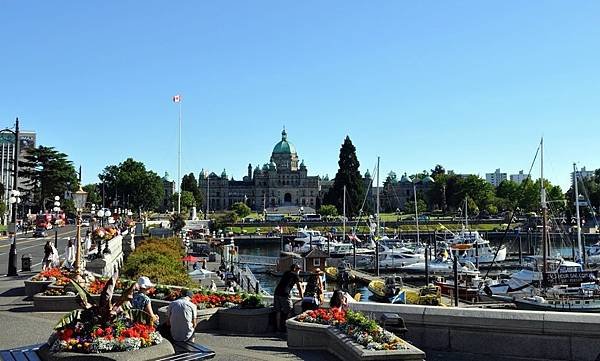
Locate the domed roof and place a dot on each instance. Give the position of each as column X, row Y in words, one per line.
column 284, row 147
column 405, row 179
column 224, row 174
column 428, row 179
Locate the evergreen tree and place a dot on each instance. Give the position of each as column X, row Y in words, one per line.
column 348, row 175
column 190, row 184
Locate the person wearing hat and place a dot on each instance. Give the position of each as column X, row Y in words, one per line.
column 282, row 299
column 182, row 317
column 313, row 294
column 141, row 301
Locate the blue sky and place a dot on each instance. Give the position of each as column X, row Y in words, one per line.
column 471, row 85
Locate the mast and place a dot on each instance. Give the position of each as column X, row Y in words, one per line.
column 575, row 180
column 416, row 207
column 466, row 212
column 377, row 234
column 544, row 212
column 344, row 216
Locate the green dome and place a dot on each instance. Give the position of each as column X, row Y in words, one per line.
column 284, row 147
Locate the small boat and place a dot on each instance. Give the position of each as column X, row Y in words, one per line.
column 342, row 273
column 566, row 303
column 390, row 290
column 469, row 286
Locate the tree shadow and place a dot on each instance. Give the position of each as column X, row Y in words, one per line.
column 269, row 348
column 14, row 292
column 22, row 309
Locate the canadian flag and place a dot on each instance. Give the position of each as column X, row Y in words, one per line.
column 176, row 98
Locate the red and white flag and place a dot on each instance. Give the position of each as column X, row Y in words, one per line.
column 176, row 98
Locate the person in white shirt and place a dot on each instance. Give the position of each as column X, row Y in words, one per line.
column 70, row 254
column 182, row 317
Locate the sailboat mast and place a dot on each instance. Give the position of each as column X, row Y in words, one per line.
column 575, row 180
column 416, row 208
column 344, row 215
column 544, row 212
column 377, row 234
column 466, row 212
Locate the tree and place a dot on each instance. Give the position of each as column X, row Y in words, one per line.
column 409, row 207
column 49, row 173
column 190, row 184
column 177, row 222
column 130, row 183
column 348, row 175
column 93, row 195
column 438, row 170
column 328, row 211
column 241, row 209
column 187, row 200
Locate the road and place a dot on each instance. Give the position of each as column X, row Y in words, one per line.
column 27, row 244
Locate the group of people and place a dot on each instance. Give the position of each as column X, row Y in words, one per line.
column 312, row 296
column 52, row 258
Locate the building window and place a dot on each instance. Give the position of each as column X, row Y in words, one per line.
column 316, row 262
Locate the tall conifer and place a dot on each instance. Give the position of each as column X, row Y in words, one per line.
column 348, row 175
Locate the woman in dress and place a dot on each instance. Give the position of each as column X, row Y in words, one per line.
column 141, row 301
column 313, row 294
column 47, row 261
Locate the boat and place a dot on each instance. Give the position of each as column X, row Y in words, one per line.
column 470, row 246
column 441, row 265
column 587, row 300
column 390, row 290
column 398, row 257
column 341, row 273
column 469, row 286
column 307, row 237
column 340, row 250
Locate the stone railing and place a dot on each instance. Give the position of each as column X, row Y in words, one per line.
column 106, row 265
column 486, row 333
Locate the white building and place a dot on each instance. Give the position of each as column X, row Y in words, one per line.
column 518, row 178
column 495, row 178
column 582, row 174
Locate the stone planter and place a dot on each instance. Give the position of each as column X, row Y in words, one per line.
column 34, row 287
column 161, row 350
column 246, row 321
column 66, row 303
column 206, row 319
column 312, row 336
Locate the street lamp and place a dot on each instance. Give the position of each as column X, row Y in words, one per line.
column 12, row 255
column 56, row 209
column 79, row 199
column 102, row 213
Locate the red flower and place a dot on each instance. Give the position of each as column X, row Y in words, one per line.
column 99, row 332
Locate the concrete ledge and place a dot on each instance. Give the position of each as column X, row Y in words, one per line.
column 312, row 336
column 163, row 349
column 206, row 319
column 66, row 303
column 246, row 321
column 35, row 287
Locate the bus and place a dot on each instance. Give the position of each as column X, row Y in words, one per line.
column 311, row 218
column 274, row 217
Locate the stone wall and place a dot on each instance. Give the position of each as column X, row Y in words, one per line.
column 105, row 266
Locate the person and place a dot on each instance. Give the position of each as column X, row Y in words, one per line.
column 313, row 294
column 338, row 301
column 141, row 301
column 195, row 266
column 70, row 254
column 182, row 317
column 47, row 261
column 282, row 301
column 88, row 242
column 213, row 286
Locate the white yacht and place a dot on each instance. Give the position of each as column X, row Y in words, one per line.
column 398, row 257
column 305, row 237
column 442, row 266
column 339, row 250
column 469, row 246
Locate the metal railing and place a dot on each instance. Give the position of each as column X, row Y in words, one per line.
column 246, row 279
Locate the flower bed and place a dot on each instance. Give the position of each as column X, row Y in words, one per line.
column 40, row 282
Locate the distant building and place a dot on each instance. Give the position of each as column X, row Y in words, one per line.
column 396, row 194
column 582, row 174
column 495, row 178
column 169, row 190
column 283, row 182
column 518, row 178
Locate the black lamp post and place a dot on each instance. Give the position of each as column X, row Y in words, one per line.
column 12, row 255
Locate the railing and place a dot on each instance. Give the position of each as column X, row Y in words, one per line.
column 246, row 279
column 258, row 260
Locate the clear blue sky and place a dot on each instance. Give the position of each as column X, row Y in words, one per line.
column 471, row 85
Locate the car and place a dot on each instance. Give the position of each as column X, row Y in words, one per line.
column 40, row 232
column 85, row 223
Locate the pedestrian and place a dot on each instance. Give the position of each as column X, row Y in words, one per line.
column 88, row 242
column 282, row 300
column 338, row 301
column 70, row 254
column 47, row 261
column 313, row 293
column 141, row 301
column 213, row 286
column 182, row 317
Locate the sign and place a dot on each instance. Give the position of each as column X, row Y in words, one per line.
column 569, row 278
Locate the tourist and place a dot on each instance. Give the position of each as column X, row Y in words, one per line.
column 70, row 254
column 88, row 242
column 313, row 294
column 282, row 300
column 213, row 286
column 141, row 301
column 182, row 317
column 338, row 301
column 48, row 250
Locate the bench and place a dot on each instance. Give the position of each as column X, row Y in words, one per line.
column 27, row 353
column 394, row 323
column 187, row 351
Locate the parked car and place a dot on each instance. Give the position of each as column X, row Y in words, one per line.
column 85, row 223
column 40, row 232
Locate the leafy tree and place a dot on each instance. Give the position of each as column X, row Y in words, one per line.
column 481, row 192
column 48, row 173
column 328, row 210
column 241, row 209
column 438, row 170
column 130, row 181
column 348, row 175
column 177, row 222
column 187, row 200
column 409, row 207
column 190, row 184
column 223, row 220
column 93, row 195
column 508, row 194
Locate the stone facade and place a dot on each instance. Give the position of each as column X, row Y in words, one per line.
column 281, row 182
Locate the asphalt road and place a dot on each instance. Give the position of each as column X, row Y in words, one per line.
column 27, row 244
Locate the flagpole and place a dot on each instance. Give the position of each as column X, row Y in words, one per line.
column 179, row 164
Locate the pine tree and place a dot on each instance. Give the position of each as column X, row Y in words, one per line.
column 348, row 175
column 190, row 184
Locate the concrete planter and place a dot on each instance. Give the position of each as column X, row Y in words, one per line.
column 34, row 287
column 246, row 321
column 311, row 336
column 161, row 350
column 66, row 303
column 206, row 319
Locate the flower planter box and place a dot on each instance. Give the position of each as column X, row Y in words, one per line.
column 312, row 336
column 246, row 321
column 163, row 349
column 66, row 303
column 34, row 287
column 206, row 319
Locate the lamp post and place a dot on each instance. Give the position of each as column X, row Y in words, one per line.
column 56, row 209
column 12, row 255
column 79, row 199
